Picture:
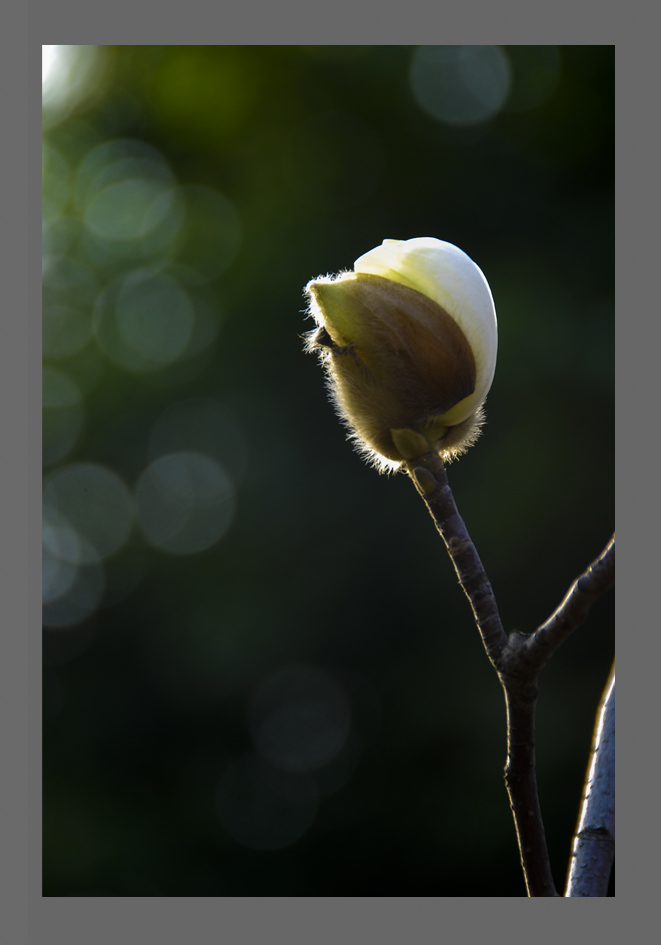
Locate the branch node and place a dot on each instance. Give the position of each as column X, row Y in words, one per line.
column 457, row 546
column 425, row 480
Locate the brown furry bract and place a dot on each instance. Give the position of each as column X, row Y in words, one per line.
column 395, row 359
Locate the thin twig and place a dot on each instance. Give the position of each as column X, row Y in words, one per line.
column 573, row 610
column 517, row 658
column 593, row 846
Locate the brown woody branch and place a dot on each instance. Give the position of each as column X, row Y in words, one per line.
column 573, row 610
column 517, row 658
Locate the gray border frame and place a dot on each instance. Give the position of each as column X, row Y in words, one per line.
column 315, row 920
column 18, row 456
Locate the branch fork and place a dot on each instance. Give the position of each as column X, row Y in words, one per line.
column 518, row 659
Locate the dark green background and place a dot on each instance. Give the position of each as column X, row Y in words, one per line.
column 322, row 152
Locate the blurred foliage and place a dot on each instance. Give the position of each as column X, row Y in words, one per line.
column 261, row 677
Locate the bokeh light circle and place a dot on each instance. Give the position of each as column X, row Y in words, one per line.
column 129, row 200
column 185, row 502
column 299, row 718
column 73, row 581
column 65, row 330
column 55, row 169
column 70, row 284
column 263, row 807
column 460, row 85
column 128, row 209
column 144, row 321
column 96, row 503
column 60, row 554
column 82, row 597
column 62, row 414
column 154, row 317
column 69, row 74
column 117, row 161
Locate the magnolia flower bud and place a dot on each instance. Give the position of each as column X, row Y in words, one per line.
column 409, row 343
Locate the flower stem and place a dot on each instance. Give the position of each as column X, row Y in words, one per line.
column 519, row 680
column 431, row 481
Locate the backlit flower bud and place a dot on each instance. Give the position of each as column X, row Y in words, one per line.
column 409, row 343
